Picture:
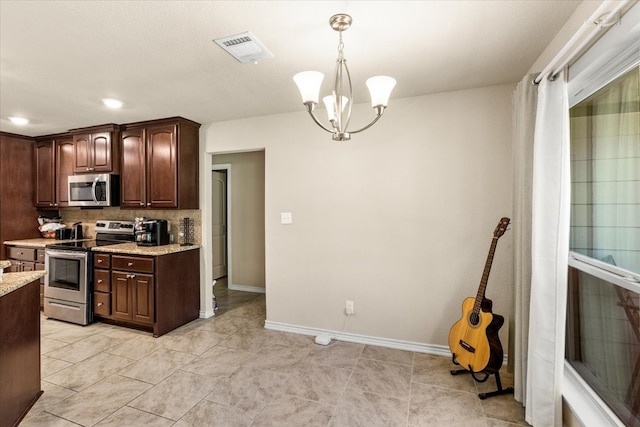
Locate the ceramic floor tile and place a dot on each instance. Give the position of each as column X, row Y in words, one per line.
column 249, row 339
column 218, row 362
column 127, row 416
column 318, row 382
column 136, row 348
column 49, row 366
column 434, row 406
column 249, row 390
column 85, row 348
column 208, row 413
column 157, row 366
column 89, row 371
column 229, row 324
column 70, row 333
column 505, row 408
column 97, row 402
column 499, row 423
column 50, row 398
column 277, row 358
column 388, row 379
column 48, row 344
column 371, row 410
column 338, row 354
column 388, row 355
column 293, row 411
column 44, row 419
column 436, row 370
column 195, row 342
column 175, row 395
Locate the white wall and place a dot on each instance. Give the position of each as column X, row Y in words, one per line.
column 398, row 220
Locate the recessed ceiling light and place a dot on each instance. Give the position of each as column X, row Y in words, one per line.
column 112, row 103
column 19, row 120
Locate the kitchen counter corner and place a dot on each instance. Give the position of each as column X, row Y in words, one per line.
column 12, row 281
column 134, row 249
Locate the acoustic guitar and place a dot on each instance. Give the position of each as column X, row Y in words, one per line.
column 473, row 340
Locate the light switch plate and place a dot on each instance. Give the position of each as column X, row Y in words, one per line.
column 286, row 218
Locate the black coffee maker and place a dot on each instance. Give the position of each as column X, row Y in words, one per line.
column 152, row 232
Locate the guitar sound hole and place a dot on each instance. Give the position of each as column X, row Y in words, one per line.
column 474, row 318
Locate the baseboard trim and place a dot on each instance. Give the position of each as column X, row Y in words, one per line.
column 205, row 314
column 245, row 288
column 434, row 349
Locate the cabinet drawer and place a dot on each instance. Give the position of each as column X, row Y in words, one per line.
column 24, row 254
column 131, row 263
column 102, row 304
column 40, row 256
column 102, row 260
column 101, row 280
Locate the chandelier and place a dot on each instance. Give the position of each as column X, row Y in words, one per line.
column 339, row 103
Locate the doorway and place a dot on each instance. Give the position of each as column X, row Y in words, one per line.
column 238, row 220
column 219, row 222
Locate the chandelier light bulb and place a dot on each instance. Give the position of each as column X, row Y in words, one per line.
column 331, row 105
column 309, row 85
column 380, row 88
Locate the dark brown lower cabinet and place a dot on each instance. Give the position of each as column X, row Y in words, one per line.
column 19, row 353
column 159, row 293
column 132, row 296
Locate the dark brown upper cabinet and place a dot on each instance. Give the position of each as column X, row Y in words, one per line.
column 54, row 159
column 96, row 149
column 159, row 168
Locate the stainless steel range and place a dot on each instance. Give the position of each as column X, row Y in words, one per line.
column 68, row 286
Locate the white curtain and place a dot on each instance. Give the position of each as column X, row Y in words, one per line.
column 549, row 254
column 525, row 102
column 539, row 337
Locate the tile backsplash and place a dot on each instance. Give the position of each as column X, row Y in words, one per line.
column 88, row 217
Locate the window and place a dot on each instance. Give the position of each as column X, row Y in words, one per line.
column 603, row 316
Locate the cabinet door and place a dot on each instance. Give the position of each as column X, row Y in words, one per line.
column 133, row 169
column 162, row 165
column 64, row 168
column 121, row 297
column 143, row 300
column 45, row 196
column 82, row 153
column 101, row 146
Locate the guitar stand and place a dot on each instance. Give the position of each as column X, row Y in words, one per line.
column 483, row 396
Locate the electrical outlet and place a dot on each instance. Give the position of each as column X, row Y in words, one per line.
column 348, row 308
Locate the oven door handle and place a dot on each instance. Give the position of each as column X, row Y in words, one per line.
column 81, row 255
column 93, row 189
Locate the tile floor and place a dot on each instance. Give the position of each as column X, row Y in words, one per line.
column 230, row 371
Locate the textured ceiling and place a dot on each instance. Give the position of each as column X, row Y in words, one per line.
column 58, row 59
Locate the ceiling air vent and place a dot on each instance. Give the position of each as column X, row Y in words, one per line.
column 244, row 47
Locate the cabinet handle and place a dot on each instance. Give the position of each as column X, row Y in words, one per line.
column 129, row 264
column 148, row 204
column 100, row 304
column 20, row 253
column 99, row 280
column 99, row 261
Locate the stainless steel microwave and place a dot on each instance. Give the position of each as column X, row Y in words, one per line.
column 94, row 190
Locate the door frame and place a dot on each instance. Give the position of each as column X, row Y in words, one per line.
column 225, row 167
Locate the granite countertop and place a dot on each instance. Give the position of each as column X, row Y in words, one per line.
column 5, row 264
column 12, row 281
column 134, row 249
column 40, row 243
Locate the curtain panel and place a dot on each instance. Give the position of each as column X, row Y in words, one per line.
column 539, row 337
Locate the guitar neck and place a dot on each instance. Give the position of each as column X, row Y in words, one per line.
column 485, row 276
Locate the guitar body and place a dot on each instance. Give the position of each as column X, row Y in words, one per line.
column 469, row 343
column 474, row 340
